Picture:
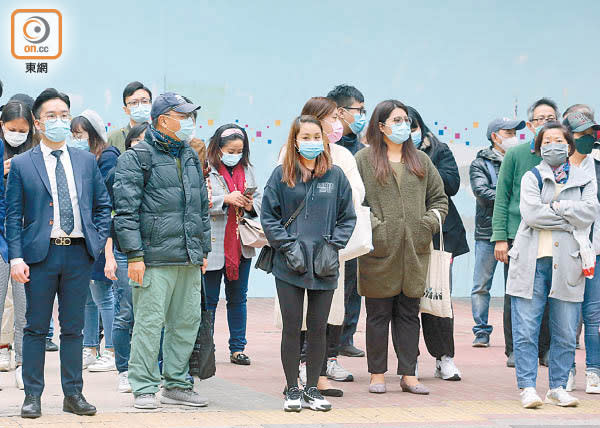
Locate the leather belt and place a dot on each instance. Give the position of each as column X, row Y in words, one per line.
column 66, row 241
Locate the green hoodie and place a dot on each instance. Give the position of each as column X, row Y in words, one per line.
column 507, row 215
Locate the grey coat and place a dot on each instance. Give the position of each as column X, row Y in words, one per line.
column 218, row 216
column 578, row 210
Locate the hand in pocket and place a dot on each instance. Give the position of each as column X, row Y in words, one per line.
column 294, row 258
column 326, row 262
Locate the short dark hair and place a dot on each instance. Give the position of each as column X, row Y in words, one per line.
column 555, row 125
column 95, row 142
column 345, row 95
column 135, row 132
column 47, row 95
column 542, row 102
column 132, row 87
column 217, row 143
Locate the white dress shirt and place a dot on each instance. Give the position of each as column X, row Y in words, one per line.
column 50, row 162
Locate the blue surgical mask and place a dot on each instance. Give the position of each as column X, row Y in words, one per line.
column 141, row 113
column 186, row 129
column 416, row 137
column 79, row 144
column 400, row 133
column 360, row 120
column 310, row 149
column 57, row 130
column 231, row 159
column 537, row 131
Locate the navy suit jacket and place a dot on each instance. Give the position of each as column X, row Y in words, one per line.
column 30, row 213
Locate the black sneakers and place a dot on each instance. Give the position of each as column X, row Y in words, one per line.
column 293, row 400
column 312, row 399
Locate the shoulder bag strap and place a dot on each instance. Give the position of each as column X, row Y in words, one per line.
column 437, row 213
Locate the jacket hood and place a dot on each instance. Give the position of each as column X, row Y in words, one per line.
column 489, row 154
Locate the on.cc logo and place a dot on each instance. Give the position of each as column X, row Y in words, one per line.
column 36, row 30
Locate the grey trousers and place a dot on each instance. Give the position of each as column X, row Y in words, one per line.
column 14, row 316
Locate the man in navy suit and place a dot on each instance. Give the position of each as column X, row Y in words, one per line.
column 57, row 224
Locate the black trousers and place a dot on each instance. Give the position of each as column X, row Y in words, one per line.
column 544, row 339
column 352, row 301
column 291, row 302
column 403, row 313
column 332, row 339
column 65, row 272
column 439, row 333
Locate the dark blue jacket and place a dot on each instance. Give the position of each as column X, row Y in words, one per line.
column 3, row 244
column 30, row 213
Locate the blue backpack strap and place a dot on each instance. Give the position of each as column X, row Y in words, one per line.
column 492, row 171
column 536, row 172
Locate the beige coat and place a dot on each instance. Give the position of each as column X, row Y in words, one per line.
column 344, row 159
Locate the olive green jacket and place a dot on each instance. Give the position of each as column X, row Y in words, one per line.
column 403, row 224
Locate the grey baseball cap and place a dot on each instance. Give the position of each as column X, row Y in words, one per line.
column 504, row 123
column 579, row 122
column 171, row 101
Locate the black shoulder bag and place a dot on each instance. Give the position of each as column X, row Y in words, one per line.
column 265, row 258
column 202, row 359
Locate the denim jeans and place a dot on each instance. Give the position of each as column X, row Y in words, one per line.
column 123, row 323
column 591, row 319
column 100, row 299
column 485, row 266
column 352, row 302
column 526, row 321
column 235, row 293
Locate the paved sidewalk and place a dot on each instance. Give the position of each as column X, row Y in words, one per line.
column 251, row 396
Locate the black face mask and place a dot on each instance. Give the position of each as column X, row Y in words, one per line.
column 585, row 144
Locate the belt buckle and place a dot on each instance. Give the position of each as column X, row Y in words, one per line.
column 62, row 241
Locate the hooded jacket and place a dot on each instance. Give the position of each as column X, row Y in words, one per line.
column 484, row 189
column 326, row 221
column 455, row 235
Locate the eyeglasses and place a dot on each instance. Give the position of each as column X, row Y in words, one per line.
column 361, row 110
column 399, row 120
column 53, row 116
column 135, row 103
column 544, row 119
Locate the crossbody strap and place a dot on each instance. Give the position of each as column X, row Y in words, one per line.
column 296, row 213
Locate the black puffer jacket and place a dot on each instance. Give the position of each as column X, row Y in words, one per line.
column 165, row 221
column 484, row 191
column 455, row 235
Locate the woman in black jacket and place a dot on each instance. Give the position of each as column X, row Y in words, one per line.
column 306, row 256
column 439, row 332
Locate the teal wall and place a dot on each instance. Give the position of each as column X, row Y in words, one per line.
column 257, row 62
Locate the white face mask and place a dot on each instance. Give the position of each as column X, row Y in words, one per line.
column 14, row 139
column 507, row 143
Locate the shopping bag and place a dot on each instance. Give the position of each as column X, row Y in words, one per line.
column 361, row 241
column 436, row 298
column 202, row 360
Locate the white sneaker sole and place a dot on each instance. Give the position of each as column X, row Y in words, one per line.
column 315, row 407
column 534, row 404
column 292, row 407
column 348, row 378
column 146, row 406
column 94, row 369
column 592, row 390
column 454, row 377
column 573, row 403
column 124, row 390
column 167, row 400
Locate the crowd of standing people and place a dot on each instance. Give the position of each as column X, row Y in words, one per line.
column 133, row 232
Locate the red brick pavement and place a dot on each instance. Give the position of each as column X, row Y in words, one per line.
column 485, row 375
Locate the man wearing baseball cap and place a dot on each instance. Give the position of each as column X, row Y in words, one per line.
column 162, row 225
column 502, row 134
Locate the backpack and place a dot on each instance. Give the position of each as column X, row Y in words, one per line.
column 536, row 172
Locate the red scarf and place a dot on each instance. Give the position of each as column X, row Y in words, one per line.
column 232, row 245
